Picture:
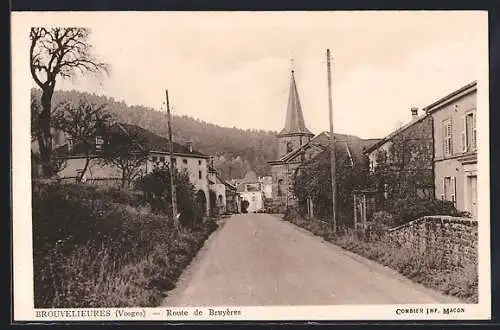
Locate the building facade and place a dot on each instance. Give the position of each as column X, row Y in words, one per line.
column 185, row 159
column 455, row 147
column 252, row 193
column 227, row 200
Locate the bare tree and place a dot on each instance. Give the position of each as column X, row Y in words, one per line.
column 57, row 52
column 83, row 121
column 127, row 151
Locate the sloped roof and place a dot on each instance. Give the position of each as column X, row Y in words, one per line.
column 158, row 143
column 221, row 180
column 321, row 140
column 150, row 141
column 294, row 122
column 464, row 90
column 394, row 133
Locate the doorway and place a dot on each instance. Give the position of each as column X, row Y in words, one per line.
column 472, row 195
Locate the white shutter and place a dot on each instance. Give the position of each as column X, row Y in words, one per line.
column 463, row 134
column 445, row 138
column 450, row 137
column 443, row 191
column 453, row 190
column 473, row 138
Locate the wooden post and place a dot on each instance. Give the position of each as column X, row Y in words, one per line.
column 355, row 212
column 332, row 146
column 172, row 173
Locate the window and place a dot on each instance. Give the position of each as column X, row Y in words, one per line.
column 372, row 166
column 200, row 175
column 199, row 162
column 173, row 160
column 70, row 143
column 162, row 158
column 469, row 132
column 184, row 161
column 98, row 143
column 447, row 137
column 289, row 146
column 449, row 189
column 154, row 158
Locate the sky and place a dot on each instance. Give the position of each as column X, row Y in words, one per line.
column 233, row 69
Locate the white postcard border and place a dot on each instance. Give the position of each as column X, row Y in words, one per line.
column 21, row 205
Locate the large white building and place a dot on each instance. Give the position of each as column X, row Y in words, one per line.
column 185, row 158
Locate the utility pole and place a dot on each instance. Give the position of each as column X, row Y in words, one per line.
column 332, row 146
column 172, row 173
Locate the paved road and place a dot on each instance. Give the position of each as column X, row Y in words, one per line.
column 258, row 259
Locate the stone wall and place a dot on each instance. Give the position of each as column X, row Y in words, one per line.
column 455, row 238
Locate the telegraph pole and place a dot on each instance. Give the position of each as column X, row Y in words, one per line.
column 172, row 173
column 332, row 146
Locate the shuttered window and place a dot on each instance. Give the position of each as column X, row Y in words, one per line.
column 447, row 137
column 468, row 134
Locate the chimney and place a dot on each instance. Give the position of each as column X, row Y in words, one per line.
column 414, row 112
column 189, row 144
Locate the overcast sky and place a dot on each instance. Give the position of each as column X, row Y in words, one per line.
column 233, row 69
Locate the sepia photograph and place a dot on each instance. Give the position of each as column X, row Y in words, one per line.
column 250, row 165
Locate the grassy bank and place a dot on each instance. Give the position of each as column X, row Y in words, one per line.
column 425, row 268
column 102, row 247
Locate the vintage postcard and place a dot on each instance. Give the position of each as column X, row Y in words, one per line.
column 250, row 166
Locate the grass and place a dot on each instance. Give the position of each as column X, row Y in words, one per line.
column 426, row 267
column 101, row 249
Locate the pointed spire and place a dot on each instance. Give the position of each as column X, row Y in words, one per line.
column 294, row 123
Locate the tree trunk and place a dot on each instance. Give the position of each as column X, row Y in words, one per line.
column 87, row 161
column 45, row 141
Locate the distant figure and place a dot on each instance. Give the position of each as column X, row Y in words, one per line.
column 244, row 206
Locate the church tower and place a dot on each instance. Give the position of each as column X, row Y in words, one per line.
column 295, row 132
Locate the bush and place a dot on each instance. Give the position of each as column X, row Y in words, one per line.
column 405, row 210
column 157, row 192
column 90, row 250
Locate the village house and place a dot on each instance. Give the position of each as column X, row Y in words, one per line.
column 185, row 158
column 455, row 147
column 227, row 199
column 250, row 189
column 407, row 157
column 400, row 165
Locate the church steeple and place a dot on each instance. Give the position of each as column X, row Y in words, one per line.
column 294, row 122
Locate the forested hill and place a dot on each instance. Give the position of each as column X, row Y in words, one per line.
column 237, row 151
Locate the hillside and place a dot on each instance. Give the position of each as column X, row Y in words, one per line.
column 237, row 151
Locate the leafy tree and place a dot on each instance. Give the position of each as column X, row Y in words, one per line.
column 56, row 52
column 126, row 151
column 156, row 188
column 313, row 180
column 405, row 170
column 82, row 121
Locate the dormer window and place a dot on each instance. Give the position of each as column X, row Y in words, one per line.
column 99, row 141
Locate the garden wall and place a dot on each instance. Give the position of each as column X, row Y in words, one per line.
column 455, row 238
